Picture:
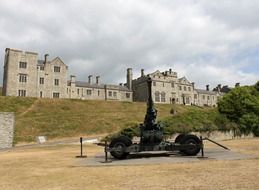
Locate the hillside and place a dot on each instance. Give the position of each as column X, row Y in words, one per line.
column 58, row 118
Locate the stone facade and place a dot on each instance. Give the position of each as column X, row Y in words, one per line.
column 6, row 129
column 25, row 75
column 95, row 91
column 168, row 88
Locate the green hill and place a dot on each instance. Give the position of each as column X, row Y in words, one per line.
column 58, row 118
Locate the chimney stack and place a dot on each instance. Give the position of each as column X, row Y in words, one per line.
column 46, row 58
column 90, row 79
column 170, row 71
column 193, row 85
column 208, row 87
column 73, row 78
column 97, row 79
column 129, row 78
column 237, row 84
column 142, row 72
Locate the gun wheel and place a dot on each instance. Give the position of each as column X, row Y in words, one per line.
column 191, row 140
column 119, row 145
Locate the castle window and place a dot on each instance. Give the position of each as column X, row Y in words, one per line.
column 195, row 96
column 98, row 92
column 78, row 91
column 115, row 94
column 127, row 95
column 163, row 97
column 189, row 88
column 89, row 92
column 157, row 96
column 56, row 82
column 56, row 69
column 55, row 95
column 41, row 80
column 23, row 65
column 184, row 88
column 110, row 93
column 154, row 83
column 22, row 78
column 172, row 85
column 42, row 68
column 208, row 97
column 22, row 93
column 180, row 87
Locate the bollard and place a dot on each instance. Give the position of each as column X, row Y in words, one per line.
column 202, row 149
column 81, row 149
column 106, row 154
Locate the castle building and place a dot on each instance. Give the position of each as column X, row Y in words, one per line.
column 26, row 75
column 169, row 89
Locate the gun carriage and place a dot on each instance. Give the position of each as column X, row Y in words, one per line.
column 152, row 137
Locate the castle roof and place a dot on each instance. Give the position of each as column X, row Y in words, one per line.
column 101, row 86
column 201, row 91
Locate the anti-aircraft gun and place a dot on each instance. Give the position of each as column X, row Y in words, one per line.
column 152, row 137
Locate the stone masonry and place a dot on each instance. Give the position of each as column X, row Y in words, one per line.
column 6, row 129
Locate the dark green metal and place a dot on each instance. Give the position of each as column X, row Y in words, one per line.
column 151, row 132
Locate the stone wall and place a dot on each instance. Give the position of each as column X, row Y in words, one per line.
column 6, row 129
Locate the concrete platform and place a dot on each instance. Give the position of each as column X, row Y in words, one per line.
column 145, row 158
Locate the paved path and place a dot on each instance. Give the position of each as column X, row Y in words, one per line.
column 160, row 158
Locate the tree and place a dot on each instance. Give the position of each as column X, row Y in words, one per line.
column 241, row 105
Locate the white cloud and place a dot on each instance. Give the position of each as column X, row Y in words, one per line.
column 204, row 40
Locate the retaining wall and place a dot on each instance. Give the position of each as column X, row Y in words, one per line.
column 6, row 129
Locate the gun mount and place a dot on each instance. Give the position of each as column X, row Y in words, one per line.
column 152, row 137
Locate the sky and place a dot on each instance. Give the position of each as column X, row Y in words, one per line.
column 208, row 42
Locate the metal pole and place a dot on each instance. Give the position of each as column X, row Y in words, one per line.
column 81, row 142
column 202, row 147
column 106, row 155
column 81, row 149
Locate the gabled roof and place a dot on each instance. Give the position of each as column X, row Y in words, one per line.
column 59, row 60
column 184, row 80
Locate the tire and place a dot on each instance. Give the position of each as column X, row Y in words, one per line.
column 179, row 138
column 121, row 143
column 191, row 139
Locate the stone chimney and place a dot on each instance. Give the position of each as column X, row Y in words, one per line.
column 193, row 85
column 73, row 78
column 46, row 58
column 170, row 71
column 237, row 84
column 97, row 79
column 208, row 87
column 90, row 79
column 129, row 78
column 142, row 73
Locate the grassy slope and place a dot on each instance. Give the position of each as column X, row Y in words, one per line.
column 65, row 118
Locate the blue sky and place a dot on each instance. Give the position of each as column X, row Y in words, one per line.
column 209, row 42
